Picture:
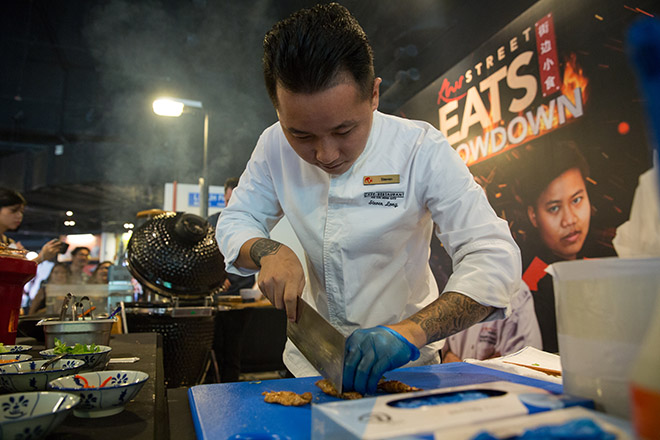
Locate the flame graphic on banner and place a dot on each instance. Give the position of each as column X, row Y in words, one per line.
column 574, row 78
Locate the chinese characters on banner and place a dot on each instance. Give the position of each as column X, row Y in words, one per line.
column 546, row 46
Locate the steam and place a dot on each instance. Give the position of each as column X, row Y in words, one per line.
column 189, row 50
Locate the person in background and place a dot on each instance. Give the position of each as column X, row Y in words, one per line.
column 361, row 190
column 59, row 274
column 500, row 337
column 79, row 259
column 100, row 274
column 12, row 206
column 234, row 283
column 231, row 326
column 555, row 196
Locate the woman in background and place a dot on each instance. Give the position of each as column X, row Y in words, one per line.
column 12, row 206
column 100, row 274
column 59, row 274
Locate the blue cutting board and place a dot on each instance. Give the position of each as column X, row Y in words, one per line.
column 237, row 411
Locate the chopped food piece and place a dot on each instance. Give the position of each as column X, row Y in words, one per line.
column 329, row 389
column 395, row 386
column 388, row 386
column 287, row 398
column 3, row 349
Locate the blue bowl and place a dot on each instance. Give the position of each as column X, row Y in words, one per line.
column 8, row 358
column 25, row 376
column 102, row 393
column 93, row 361
column 16, row 349
column 33, row 415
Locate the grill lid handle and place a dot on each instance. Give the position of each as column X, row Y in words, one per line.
column 190, row 228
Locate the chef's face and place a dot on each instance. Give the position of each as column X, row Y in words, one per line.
column 328, row 129
column 11, row 217
column 562, row 214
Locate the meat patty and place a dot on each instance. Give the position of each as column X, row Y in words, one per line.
column 287, row 398
column 395, row 386
column 329, row 389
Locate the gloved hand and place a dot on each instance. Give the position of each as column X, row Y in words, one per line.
column 370, row 353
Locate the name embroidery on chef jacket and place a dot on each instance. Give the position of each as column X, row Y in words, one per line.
column 384, row 198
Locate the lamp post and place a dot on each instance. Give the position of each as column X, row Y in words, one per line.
column 173, row 107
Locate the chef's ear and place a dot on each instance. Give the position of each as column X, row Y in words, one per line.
column 531, row 213
column 375, row 93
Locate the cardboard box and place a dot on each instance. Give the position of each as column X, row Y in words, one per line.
column 404, row 415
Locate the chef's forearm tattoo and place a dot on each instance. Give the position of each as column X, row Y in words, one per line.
column 263, row 247
column 449, row 314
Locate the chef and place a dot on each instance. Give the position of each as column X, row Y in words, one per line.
column 362, row 191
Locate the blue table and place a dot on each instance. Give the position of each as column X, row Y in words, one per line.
column 238, row 411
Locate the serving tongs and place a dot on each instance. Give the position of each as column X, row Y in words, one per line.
column 65, row 306
column 74, row 310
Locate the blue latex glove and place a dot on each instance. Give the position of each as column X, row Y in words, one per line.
column 370, row 353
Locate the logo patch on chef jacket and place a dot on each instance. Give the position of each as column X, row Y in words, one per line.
column 384, row 198
column 381, row 180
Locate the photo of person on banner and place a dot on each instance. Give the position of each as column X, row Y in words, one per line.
column 553, row 189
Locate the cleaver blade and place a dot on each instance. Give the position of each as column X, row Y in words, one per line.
column 321, row 343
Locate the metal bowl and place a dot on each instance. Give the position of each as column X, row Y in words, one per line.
column 93, row 331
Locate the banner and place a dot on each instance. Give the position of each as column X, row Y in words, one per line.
column 547, row 116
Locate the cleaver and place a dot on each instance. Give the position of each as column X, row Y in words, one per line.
column 321, row 343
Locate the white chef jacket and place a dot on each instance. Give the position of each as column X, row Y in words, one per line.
column 367, row 246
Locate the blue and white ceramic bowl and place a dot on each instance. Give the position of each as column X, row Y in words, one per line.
column 11, row 358
column 25, row 376
column 33, row 415
column 16, row 348
column 102, row 393
column 93, row 361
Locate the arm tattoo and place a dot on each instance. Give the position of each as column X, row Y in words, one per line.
column 262, row 248
column 449, row 314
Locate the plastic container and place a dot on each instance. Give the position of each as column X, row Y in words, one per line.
column 604, row 308
column 645, row 383
column 97, row 293
column 15, row 271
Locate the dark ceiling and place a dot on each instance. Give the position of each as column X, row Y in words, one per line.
column 78, row 78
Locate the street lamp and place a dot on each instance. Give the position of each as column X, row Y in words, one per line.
column 173, row 107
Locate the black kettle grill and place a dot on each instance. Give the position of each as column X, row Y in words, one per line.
column 176, row 256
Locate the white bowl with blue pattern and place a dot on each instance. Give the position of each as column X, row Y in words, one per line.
column 7, row 358
column 25, row 376
column 33, row 415
column 102, row 393
column 93, row 361
column 8, row 349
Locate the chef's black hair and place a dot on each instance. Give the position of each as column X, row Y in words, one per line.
column 543, row 164
column 10, row 197
column 311, row 50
